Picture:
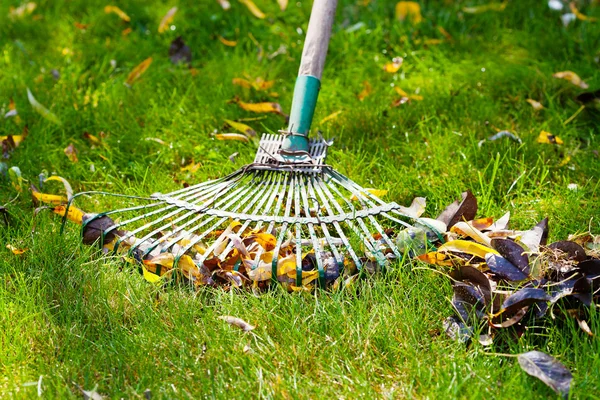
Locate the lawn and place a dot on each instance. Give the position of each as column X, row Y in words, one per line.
column 74, row 319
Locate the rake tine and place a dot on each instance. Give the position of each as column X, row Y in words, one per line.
column 284, row 228
column 311, row 230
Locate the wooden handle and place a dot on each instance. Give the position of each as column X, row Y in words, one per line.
column 317, row 38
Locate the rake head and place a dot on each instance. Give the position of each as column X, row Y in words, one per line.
column 269, row 221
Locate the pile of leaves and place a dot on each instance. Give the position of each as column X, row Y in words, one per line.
column 505, row 278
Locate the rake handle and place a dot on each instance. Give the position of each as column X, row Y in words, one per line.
column 308, row 83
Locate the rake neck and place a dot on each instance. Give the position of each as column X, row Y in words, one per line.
column 308, row 83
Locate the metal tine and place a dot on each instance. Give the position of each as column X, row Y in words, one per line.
column 311, row 231
column 261, row 198
column 227, row 178
column 281, row 177
column 366, row 237
column 332, row 246
column 325, row 195
column 284, row 227
column 140, row 217
column 238, row 203
column 132, row 233
column 297, row 213
column 318, row 183
column 369, row 241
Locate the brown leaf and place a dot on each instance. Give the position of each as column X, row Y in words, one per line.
column 571, row 77
column 465, row 210
column 138, row 71
column 71, row 153
column 230, row 43
column 367, row 89
column 180, row 52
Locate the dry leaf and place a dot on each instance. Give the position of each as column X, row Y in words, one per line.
column 46, row 198
column 548, row 138
column 240, row 323
column 180, row 52
column 367, row 89
column 191, row 167
column 167, row 19
column 407, row 96
column 74, row 214
column 81, row 26
column 445, row 33
column 485, row 7
column 224, row 4
column 394, row 66
column 330, row 117
column 266, row 107
column 93, row 139
column 253, row 8
column 578, row 13
column 410, row 10
column 71, row 153
column 126, row 31
column 15, row 250
column 535, row 104
column 232, row 136
column 230, row 43
column 22, row 10
column 571, row 77
column 40, row 109
column 243, row 128
column 259, row 83
column 118, row 11
column 374, row 192
column 464, row 246
column 282, row 4
column 138, row 71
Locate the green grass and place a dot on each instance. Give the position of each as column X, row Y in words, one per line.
column 77, row 319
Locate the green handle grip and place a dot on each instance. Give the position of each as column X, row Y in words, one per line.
column 304, row 103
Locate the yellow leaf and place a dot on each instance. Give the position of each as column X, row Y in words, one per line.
column 243, row 128
column 150, row 277
column 367, row 89
column 242, row 82
column 548, row 138
column 406, row 95
column 192, row 168
column 436, row 258
column 93, row 139
column 571, row 77
column 16, row 139
column 485, row 7
column 163, row 259
column 166, row 20
column 266, row 240
column 467, row 229
column 282, row 4
column 410, row 10
column 374, row 192
column 15, row 250
column 444, row 33
column 232, row 136
column 126, row 31
column 266, row 107
column 71, row 153
column 578, row 13
column 394, row 66
column 66, row 184
column 253, row 8
column 74, row 214
column 230, row 43
column 258, row 84
column 138, row 71
column 118, row 11
column 464, row 246
column 330, row 117
column 564, row 161
column 47, row 198
column 535, row 104
column 224, row 4
column 40, row 109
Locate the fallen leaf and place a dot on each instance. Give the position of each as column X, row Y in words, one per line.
column 579, row 15
column 81, row 26
column 467, row 247
column 22, row 10
column 465, row 210
column 16, row 179
column 71, row 153
column 445, row 33
column 15, row 250
column 46, row 198
column 394, row 66
column 571, row 249
column 503, row 268
column 367, row 89
column 126, row 31
column 513, row 252
column 374, row 192
column 266, row 107
column 535, row 104
column 330, row 117
column 93, row 139
column 282, row 4
column 485, row 7
column 232, row 136
column 43, row 111
column 253, row 8
column 230, row 43
column 500, row 135
column 118, row 11
column 585, row 327
column 179, row 51
column 74, row 214
column 166, row 20
column 548, row 370
column 243, row 128
column 410, row 10
column 238, row 322
column 571, row 77
column 548, row 138
column 138, row 71
column 94, row 228
column 224, row 4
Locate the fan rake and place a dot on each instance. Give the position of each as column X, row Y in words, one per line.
column 286, row 217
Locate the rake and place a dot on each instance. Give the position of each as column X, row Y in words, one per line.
column 322, row 221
